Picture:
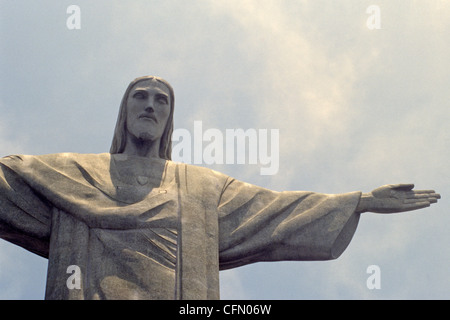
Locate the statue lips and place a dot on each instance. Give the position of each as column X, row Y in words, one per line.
column 148, row 116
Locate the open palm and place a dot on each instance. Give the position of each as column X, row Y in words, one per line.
column 400, row 197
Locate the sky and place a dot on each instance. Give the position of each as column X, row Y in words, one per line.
column 357, row 91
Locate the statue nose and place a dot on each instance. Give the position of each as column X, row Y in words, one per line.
column 150, row 109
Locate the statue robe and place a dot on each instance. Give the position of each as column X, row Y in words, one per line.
column 139, row 228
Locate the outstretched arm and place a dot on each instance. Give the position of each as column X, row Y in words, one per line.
column 394, row 198
column 257, row 224
column 25, row 217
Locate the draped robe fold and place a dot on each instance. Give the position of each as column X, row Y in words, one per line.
column 141, row 228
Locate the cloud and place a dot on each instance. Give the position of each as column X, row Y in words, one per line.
column 298, row 86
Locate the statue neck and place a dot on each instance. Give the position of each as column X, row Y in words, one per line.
column 142, row 147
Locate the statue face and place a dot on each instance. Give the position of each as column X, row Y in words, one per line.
column 148, row 109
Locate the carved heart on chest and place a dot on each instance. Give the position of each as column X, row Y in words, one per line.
column 142, row 180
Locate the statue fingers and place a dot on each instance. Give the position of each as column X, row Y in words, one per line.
column 415, row 205
column 420, row 199
column 421, row 194
column 424, row 192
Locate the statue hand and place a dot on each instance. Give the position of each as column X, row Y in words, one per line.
column 396, row 198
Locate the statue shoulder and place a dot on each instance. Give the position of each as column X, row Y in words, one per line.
column 55, row 160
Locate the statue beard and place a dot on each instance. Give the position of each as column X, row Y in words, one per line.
column 146, row 137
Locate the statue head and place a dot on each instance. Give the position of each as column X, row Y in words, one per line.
column 121, row 131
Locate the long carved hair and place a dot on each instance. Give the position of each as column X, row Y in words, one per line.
column 120, row 132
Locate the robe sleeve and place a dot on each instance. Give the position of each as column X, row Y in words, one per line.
column 256, row 224
column 25, row 216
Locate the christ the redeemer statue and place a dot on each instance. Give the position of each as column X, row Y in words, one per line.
column 140, row 226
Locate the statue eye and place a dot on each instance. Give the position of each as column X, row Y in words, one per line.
column 139, row 95
column 162, row 99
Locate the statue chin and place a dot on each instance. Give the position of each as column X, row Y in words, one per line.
column 145, row 137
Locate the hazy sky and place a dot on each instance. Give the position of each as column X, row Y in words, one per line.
column 356, row 108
